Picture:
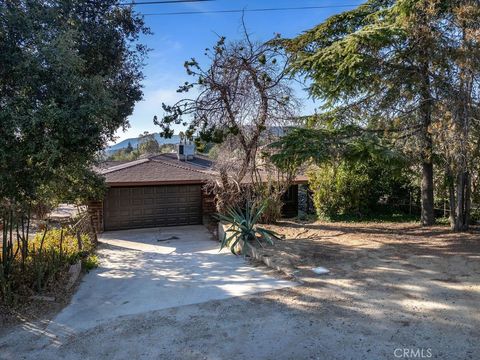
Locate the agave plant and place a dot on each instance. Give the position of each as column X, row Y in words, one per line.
column 244, row 228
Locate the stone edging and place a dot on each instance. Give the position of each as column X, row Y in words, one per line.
column 257, row 254
column 74, row 272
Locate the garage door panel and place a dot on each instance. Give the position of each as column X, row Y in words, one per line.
column 150, row 206
column 124, row 202
column 148, row 201
column 137, row 212
column 147, row 190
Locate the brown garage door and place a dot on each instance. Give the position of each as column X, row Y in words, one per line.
column 151, row 206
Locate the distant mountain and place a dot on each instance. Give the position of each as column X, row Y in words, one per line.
column 175, row 139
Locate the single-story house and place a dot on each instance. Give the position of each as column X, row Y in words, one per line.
column 162, row 190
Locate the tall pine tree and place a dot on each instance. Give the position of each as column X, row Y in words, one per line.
column 377, row 66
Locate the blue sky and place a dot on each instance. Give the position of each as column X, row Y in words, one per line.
column 177, row 38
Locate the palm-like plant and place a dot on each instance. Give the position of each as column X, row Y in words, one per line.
column 244, row 228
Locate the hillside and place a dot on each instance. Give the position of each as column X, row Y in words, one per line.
column 175, row 139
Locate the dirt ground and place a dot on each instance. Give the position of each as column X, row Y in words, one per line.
column 394, row 291
column 37, row 307
column 358, row 249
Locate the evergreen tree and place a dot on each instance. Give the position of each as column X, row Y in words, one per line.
column 386, row 65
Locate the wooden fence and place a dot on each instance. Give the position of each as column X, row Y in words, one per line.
column 85, row 226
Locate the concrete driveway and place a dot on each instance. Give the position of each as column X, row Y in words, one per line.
column 151, row 269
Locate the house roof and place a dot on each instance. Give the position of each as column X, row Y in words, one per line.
column 163, row 169
column 157, row 170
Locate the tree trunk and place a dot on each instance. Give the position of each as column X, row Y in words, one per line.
column 466, row 85
column 427, row 216
column 425, row 113
column 460, row 202
column 451, row 198
column 468, row 200
column 462, row 220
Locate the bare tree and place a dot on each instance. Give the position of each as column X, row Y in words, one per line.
column 244, row 91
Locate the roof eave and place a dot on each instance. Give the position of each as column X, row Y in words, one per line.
column 155, row 183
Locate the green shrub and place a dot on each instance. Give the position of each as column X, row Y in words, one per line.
column 339, row 189
column 50, row 254
column 90, row 262
column 359, row 188
column 63, row 242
